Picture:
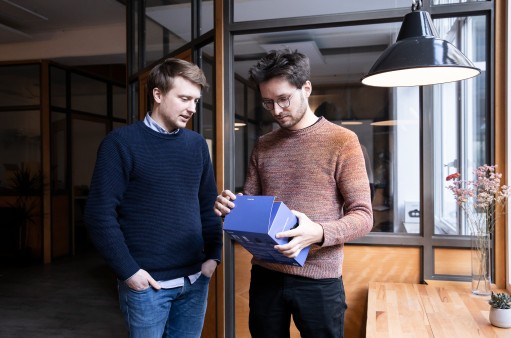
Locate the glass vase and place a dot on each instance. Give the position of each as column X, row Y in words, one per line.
column 481, row 264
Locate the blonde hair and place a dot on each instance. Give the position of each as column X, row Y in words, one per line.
column 162, row 75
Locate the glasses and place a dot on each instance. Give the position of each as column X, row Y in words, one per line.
column 283, row 102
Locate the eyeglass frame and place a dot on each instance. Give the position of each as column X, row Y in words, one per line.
column 288, row 99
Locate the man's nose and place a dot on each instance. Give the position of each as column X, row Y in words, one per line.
column 277, row 110
column 192, row 107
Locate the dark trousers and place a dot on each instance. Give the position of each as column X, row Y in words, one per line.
column 317, row 305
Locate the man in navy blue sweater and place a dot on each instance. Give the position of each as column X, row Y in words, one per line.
column 150, row 209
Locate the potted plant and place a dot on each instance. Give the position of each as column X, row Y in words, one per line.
column 27, row 186
column 500, row 311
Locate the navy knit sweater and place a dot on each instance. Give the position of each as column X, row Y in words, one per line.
column 150, row 203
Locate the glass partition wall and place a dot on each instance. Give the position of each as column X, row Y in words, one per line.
column 412, row 136
column 83, row 109
column 386, row 120
column 77, row 109
column 158, row 29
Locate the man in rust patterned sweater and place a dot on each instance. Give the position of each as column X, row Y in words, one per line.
column 317, row 169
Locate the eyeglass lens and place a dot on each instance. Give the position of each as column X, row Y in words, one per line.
column 283, row 103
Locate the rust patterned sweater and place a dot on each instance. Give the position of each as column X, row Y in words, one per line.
column 320, row 171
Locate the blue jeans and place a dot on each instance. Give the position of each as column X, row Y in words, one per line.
column 317, row 305
column 171, row 313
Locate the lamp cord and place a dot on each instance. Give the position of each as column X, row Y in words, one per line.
column 416, row 5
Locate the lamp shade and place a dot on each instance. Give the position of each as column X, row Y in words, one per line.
column 419, row 58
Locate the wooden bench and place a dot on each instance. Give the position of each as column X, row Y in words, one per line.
column 439, row 310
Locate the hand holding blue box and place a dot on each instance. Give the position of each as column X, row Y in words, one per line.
column 254, row 222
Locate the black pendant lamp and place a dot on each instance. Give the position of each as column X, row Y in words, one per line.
column 419, row 57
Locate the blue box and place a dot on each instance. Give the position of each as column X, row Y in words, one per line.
column 254, row 222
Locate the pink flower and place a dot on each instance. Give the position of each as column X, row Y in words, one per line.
column 480, row 198
column 452, row 176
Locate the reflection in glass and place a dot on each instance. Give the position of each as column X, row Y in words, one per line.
column 245, row 127
column 248, row 10
column 241, row 157
column 116, row 125
column 385, row 120
column 336, row 56
column 240, row 152
column 86, row 137
column 58, row 151
column 460, row 129
column 207, row 16
column 135, row 102
column 119, row 107
column 208, row 59
column 58, row 87
column 20, row 143
column 88, row 95
column 446, row 2
column 168, row 27
column 207, row 114
column 133, row 58
column 19, row 85
column 155, row 47
column 239, row 100
column 251, row 97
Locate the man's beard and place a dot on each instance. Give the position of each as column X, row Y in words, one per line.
column 295, row 119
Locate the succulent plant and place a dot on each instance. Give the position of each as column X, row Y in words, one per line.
column 500, row 300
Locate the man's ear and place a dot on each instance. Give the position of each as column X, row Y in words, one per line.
column 307, row 86
column 157, row 94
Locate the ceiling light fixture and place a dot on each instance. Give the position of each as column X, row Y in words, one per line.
column 391, row 123
column 351, row 122
column 419, row 57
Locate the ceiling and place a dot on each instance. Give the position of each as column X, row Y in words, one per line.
column 341, row 54
column 28, row 20
column 25, row 23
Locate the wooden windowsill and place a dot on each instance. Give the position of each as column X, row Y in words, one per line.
column 454, row 283
column 438, row 309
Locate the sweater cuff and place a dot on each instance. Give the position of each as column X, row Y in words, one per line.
column 329, row 234
column 131, row 276
column 214, row 254
column 320, row 243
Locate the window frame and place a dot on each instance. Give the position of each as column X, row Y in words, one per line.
column 426, row 240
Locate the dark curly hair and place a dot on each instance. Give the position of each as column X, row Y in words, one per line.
column 293, row 66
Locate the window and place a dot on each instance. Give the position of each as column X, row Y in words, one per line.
column 387, row 125
column 88, row 95
column 413, row 136
column 207, row 103
column 460, row 130
column 19, row 85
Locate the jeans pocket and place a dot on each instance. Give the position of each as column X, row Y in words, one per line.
column 204, row 276
column 139, row 291
column 122, row 285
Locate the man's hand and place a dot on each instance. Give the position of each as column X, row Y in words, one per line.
column 307, row 233
column 208, row 267
column 224, row 204
column 142, row 280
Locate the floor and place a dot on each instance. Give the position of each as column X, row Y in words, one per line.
column 72, row 297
